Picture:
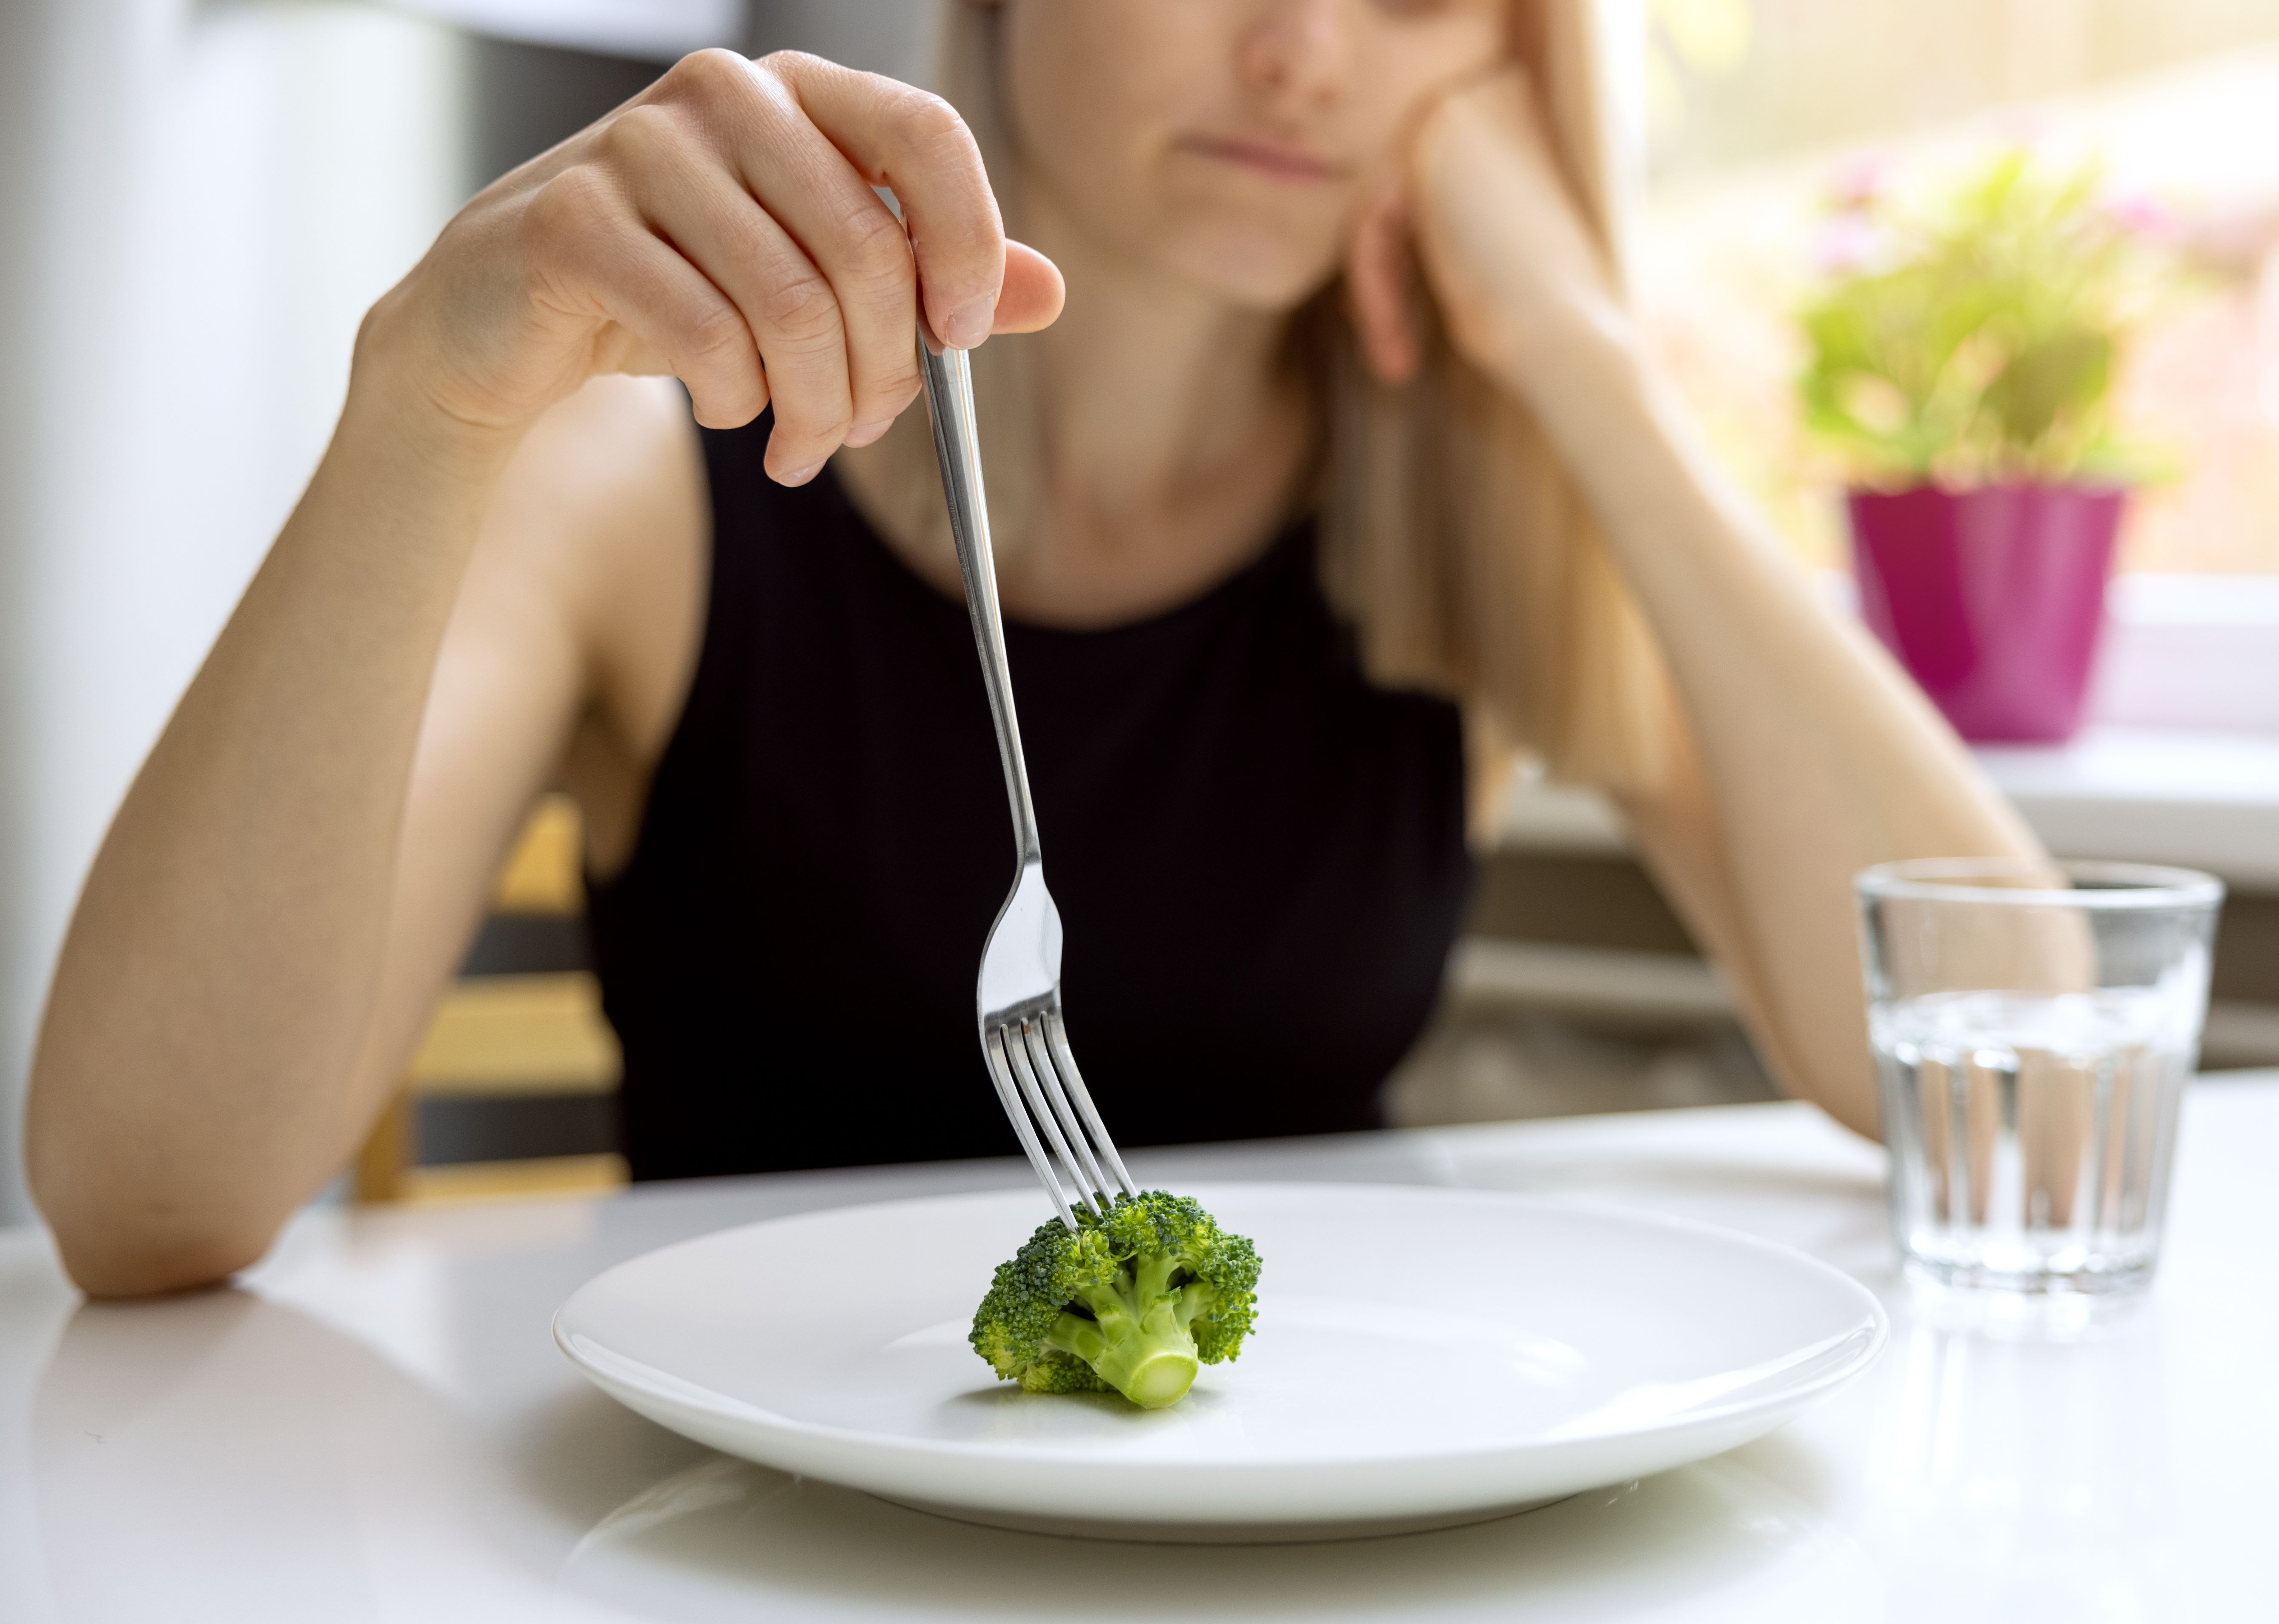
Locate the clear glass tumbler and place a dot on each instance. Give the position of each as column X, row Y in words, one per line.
column 2033, row 1025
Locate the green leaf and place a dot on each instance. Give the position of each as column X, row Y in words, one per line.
column 2069, row 370
column 1988, row 345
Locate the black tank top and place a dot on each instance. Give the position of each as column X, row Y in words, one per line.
column 1258, row 859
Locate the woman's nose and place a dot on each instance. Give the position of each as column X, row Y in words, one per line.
column 1298, row 50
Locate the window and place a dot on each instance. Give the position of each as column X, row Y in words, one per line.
column 1754, row 110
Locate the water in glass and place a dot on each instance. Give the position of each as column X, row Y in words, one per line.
column 2030, row 1136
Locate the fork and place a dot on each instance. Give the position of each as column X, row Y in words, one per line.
column 1018, row 997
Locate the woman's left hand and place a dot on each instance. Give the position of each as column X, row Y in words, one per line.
column 1481, row 206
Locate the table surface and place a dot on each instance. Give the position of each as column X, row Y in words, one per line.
column 375, row 1425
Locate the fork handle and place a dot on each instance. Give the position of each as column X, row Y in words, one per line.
column 949, row 402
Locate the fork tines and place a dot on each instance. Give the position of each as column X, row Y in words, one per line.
column 1038, row 1081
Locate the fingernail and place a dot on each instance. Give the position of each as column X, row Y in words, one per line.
column 863, row 434
column 800, row 476
column 970, row 325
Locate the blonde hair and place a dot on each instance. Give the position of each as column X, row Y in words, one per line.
column 1452, row 537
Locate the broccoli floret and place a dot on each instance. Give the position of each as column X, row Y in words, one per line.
column 1133, row 1300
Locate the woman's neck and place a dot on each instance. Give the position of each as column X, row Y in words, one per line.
column 1173, row 437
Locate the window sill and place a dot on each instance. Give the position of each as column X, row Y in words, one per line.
column 2202, row 801
column 2179, row 764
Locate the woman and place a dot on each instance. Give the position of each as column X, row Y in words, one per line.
column 1340, row 319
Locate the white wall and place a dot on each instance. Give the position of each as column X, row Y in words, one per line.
column 657, row 29
column 201, row 200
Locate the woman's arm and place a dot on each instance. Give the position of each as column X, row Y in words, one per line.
column 303, row 859
column 293, row 868
column 1804, row 755
column 215, row 987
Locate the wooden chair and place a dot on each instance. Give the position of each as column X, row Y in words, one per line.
column 522, row 1026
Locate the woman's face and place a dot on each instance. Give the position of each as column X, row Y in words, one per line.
column 1229, row 141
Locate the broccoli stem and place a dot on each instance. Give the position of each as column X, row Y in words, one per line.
column 1151, row 1361
column 1152, row 1278
column 1137, row 1343
column 1194, row 1298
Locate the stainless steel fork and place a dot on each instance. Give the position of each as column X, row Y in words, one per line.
column 1017, row 1000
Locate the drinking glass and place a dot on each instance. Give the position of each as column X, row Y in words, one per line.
column 2033, row 1024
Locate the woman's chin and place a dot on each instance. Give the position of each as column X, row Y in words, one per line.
column 1250, row 269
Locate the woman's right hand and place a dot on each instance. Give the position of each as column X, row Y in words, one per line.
column 721, row 227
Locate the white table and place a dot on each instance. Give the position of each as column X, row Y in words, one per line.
column 375, row 1426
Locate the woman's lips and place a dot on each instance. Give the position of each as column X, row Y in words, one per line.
column 1292, row 163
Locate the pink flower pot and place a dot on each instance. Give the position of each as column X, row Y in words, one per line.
column 1993, row 599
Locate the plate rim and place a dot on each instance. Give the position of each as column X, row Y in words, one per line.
column 1878, row 1328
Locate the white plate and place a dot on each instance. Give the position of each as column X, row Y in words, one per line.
column 1422, row 1357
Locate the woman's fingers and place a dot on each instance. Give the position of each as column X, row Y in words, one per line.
column 1380, row 288
column 1512, row 263
column 597, row 259
column 724, row 226
column 761, row 174
column 799, row 324
column 1034, row 291
column 915, row 144
column 821, row 336
column 821, row 199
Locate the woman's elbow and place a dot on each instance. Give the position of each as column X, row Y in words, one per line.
column 120, row 1255
column 122, row 1237
column 1827, row 1064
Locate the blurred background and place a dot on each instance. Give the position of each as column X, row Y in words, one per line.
column 198, row 198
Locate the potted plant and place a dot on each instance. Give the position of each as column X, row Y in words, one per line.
column 1963, row 351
